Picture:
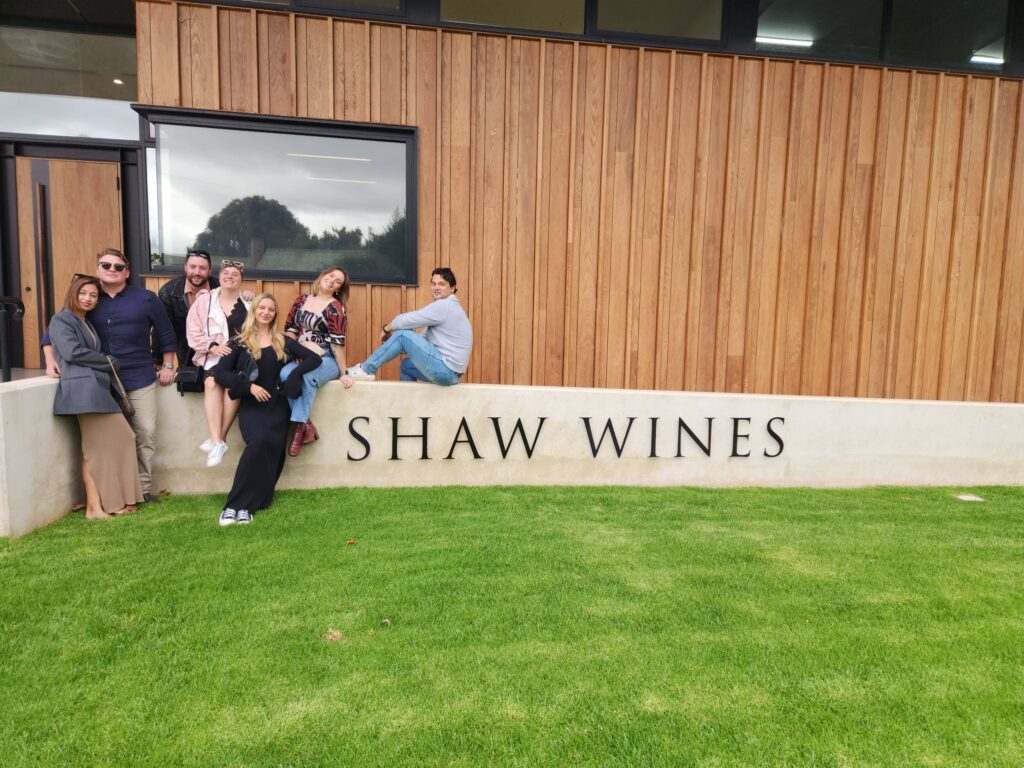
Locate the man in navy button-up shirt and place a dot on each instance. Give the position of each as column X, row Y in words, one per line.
column 123, row 318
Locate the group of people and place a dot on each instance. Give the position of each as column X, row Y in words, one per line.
column 112, row 344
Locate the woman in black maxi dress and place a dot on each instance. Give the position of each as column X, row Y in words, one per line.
column 263, row 415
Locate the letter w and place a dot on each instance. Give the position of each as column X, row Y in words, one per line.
column 527, row 446
column 608, row 428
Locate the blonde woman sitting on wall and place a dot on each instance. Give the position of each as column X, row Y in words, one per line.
column 110, row 471
column 215, row 317
column 251, row 372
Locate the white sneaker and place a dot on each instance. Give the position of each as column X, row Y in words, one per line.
column 207, row 445
column 227, row 517
column 216, row 453
column 357, row 372
column 243, row 517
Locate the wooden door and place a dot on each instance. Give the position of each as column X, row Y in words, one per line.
column 68, row 211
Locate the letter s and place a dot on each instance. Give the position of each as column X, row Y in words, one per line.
column 775, row 436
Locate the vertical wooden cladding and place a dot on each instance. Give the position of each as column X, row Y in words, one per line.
column 552, row 227
column 641, row 218
column 237, row 50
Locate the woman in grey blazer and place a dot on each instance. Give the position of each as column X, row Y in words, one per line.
column 110, row 471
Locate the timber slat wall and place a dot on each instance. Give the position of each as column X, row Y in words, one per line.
column 632, row 217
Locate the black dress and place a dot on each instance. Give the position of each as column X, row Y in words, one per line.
column 264, row 426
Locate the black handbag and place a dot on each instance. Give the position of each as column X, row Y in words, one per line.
column 189, row 378
column 248, row 369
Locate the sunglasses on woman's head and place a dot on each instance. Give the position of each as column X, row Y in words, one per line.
column 226, row 263
column 116, row 267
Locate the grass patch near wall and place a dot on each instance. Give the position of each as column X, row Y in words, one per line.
column 527, row 627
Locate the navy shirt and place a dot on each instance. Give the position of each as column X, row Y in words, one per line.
column 123, row 323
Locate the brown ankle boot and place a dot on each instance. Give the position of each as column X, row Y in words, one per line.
column 311, row 435
column 295, row 447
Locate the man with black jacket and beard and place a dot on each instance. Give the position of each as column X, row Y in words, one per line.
column 178, row 296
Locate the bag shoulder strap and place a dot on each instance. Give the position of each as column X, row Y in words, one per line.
column 113, row 370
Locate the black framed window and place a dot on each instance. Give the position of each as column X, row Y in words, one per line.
column 679, row 19
column 285, row 197
column 562, row 16
column 394, row 7
column 948, row 33
column 835, row 29
column 67, row 83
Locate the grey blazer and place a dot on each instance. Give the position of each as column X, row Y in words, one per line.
column 84, row 385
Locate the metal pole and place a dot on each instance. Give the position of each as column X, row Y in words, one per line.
column 5, row 331
column 5, row 352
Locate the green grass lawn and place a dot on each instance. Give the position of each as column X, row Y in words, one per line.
column 522, row 627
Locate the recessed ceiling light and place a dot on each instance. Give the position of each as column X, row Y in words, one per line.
column 118, row 81
column 784, row 41
column 980, row 58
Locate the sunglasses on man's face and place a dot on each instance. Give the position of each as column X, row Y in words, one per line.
column 116, row 267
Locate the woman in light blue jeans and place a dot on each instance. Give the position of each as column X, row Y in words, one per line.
column 318, row 321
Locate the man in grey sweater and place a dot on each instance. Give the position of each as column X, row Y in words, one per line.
column 441, row 353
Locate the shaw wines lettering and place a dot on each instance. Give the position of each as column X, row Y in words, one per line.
column 738, row 437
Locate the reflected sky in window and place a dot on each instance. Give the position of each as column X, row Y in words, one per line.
column 46, row 115
column 324, row 182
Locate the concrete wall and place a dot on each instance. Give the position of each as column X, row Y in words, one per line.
column 372, row 435
column 40, row 458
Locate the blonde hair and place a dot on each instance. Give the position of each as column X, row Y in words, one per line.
column 248, row 337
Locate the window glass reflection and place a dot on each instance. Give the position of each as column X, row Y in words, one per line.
column 822, row 28
column 387, row 6
column 35, row 114
column 948, row 32
column 280, row 202
column 695, row 19
column 67, row 63
column 546, row 15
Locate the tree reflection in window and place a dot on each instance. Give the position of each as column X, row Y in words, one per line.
column 265, row 235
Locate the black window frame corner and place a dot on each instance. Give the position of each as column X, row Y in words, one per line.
column 304, row 126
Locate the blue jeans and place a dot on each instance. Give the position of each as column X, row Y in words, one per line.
column 311, row 382
column 423, row 361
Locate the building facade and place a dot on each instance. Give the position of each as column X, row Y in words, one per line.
column 621, row 209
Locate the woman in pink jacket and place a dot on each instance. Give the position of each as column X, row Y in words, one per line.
column 215, row 317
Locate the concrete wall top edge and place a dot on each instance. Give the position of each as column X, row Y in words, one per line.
column 533, row 390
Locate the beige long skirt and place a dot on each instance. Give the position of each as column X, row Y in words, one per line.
column 108, row 444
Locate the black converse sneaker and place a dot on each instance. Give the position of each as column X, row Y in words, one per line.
column 243, row 516
column 229, row 516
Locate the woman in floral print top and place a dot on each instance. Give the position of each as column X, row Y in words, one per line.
column 318, row 321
